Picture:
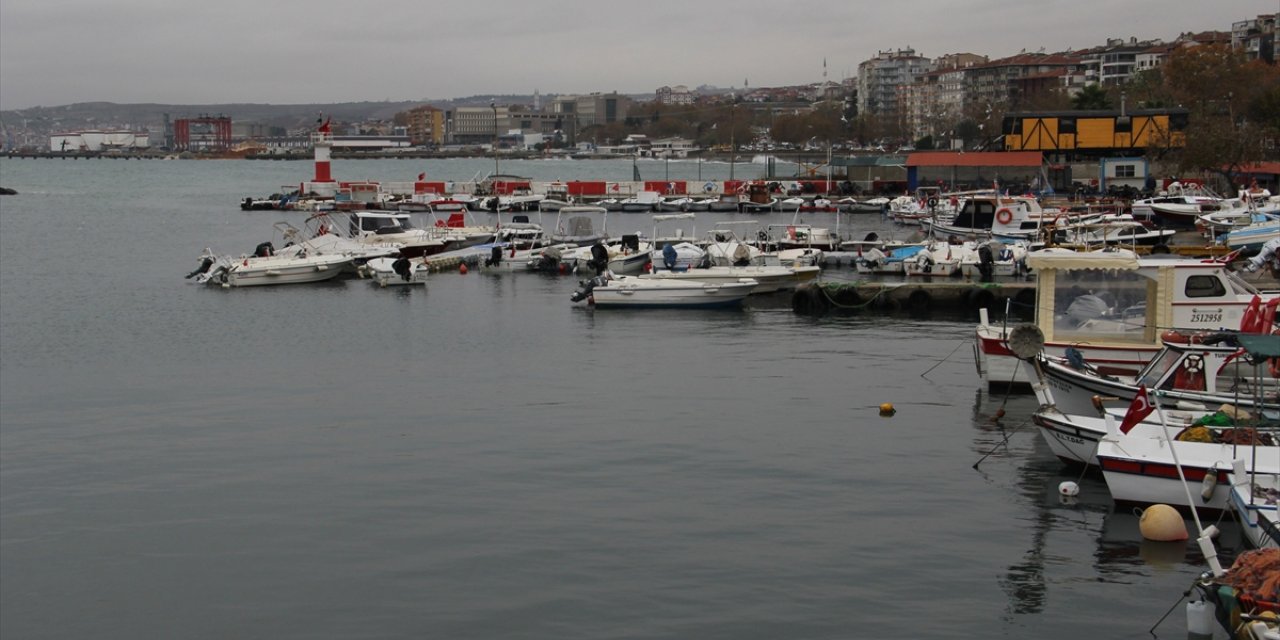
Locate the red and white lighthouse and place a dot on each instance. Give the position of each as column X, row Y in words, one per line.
column 322, row 142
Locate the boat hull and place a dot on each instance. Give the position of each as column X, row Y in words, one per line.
column 283, row 272
column 636, row 293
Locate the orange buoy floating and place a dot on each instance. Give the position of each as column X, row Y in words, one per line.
column 887, row 410
column 462, row 268
column 1162, row 523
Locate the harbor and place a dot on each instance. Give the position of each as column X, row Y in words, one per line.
column 612, row 454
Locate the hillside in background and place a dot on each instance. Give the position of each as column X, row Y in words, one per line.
column 32, row 126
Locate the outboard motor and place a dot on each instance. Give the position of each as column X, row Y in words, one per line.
column 205, row 264
column 401, row 267
column 585, row 287
column 548, row 260
column 669, row 256
column 986, row 262
column 631, row 242
column 264, row 250
column 247, row 204
column 495, row 257
column 599, row 257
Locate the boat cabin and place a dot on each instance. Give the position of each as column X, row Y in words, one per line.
column 366, row 223
column 1116, row 296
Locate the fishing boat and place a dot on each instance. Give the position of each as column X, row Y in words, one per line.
column 1113, row 306
column 1143, row 470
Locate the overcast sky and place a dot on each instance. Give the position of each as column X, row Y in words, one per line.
column 55, row 52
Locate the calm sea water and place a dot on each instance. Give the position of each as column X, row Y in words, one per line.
column 479, row 459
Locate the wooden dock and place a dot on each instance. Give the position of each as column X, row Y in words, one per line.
column 916, row 297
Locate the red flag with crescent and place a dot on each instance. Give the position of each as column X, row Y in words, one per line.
column 1138, row 409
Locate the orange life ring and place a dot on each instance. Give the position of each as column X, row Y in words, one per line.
column 1004, row 216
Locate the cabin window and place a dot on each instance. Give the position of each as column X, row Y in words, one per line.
column 1067, row 125
column 1100, row 306
column 1124, row 124
column 1205, row 287
column 1125, row 170
column 1178, row 122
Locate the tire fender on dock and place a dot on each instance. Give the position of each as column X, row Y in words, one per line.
column 920, row 301
column 980, row 298
column 809, row 301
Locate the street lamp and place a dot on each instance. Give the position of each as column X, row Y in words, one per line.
column 494, row 106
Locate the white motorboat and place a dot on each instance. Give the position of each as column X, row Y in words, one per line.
column 799, row 235
column 770, row 278
column 394, row 272
column 995, row 260
column 394, row 227
column 633, row 292
column 1180, row 205
column 1253, row 236
column 627, row 256
column 941, row 259
column 291, row 268
column 1111, row 230
column 886, row 259
column 641, row 202
column 580, row 225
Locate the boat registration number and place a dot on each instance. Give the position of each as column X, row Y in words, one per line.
column 1206, row 316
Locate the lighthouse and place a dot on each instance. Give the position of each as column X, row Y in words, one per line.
column 322, row 185
column 322, row 142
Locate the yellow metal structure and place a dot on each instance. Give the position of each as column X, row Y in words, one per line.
column 1094, row 130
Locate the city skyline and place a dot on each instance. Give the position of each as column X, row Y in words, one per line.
column 144, row 51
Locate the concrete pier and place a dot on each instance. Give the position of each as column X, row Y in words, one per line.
column 923, row 297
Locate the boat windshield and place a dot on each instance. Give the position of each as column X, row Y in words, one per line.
column 1158, row 368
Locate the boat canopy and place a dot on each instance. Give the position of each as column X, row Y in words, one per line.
column 1071, row 261
column 1260, row 345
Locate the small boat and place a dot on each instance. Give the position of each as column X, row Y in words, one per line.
column 267, row 268
column 580, row 225
column 770, row 278
column 698, row 204
column 644, row 201
column 1252, row 237
column 626, row 256
column 632, row 292
column 394, row 272
column 1179, row 206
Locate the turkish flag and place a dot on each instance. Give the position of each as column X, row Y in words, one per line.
column 1138, row 409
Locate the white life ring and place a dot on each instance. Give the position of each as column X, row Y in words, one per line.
column 709, row 187
column 1004, row 216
